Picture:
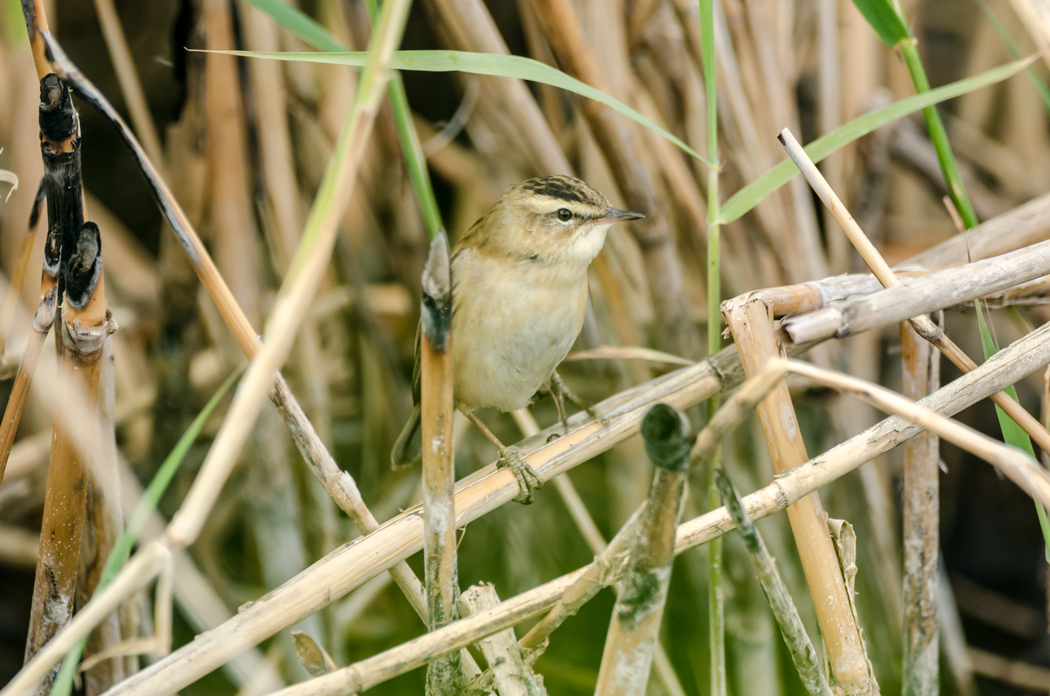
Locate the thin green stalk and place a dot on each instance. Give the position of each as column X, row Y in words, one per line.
column 1040, row 86
column 939, row 136
column 715, row 591
column 147, row 504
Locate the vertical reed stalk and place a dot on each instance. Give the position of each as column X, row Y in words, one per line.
column 751, row 321
column 921, row 531
column 715, row 592
column 801, row 648
column 639, row 609
column 82, row 333
column 444, row 676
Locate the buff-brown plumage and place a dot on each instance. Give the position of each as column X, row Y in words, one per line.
column 519, row 294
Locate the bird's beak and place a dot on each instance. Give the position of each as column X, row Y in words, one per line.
column 617, row 215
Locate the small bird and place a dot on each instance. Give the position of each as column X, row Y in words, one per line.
column 519, row 296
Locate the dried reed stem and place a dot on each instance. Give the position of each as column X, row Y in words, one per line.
column 921, row 376
column 751, row 321
column 510, row 670
column 635, row 625
column 83, row 330
column 801, row 648
column 439, row 513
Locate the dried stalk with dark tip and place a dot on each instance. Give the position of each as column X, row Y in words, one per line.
column 751, row 321
column 921, row 377
column 82, row 332
column 797, row 641
column 444, row 676
column 678, row 334
column 639, row 609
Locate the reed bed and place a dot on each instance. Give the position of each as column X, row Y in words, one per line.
column 780, row 488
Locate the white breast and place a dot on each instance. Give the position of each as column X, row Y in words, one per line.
column 514, row 322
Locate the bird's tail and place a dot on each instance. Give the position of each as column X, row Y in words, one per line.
column 408, row 450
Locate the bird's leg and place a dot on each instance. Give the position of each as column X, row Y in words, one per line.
column 528, row 479
column 560, row 391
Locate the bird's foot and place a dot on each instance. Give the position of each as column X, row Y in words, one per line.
column 528, row 479
column 560, row 391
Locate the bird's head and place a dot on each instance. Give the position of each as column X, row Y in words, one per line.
column 551, row 220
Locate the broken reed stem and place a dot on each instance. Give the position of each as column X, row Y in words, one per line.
column 923, row 325
column 82, row 333
column 803, row 654
column 678, row 335
column 921, row 377
column 751, row 321
column 628, row 655
column 19, row 275
column 444, row 676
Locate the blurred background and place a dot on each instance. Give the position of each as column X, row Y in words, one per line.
column 810, row 65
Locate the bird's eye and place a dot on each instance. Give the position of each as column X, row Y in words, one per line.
column 564, row 214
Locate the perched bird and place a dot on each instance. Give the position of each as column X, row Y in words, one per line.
column 519, row 296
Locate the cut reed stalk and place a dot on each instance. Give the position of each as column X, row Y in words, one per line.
column 82, row 333
column 639, row 609
column 751, row 322
column 921, row 377
column 798, row 644
column 444, row 676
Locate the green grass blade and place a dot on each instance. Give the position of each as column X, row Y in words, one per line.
column 1013, row 434
column 150, row 499
column 482, row 64
column 748, row 197
column 1037, row 81
column 299, row 24
column 884, row 19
